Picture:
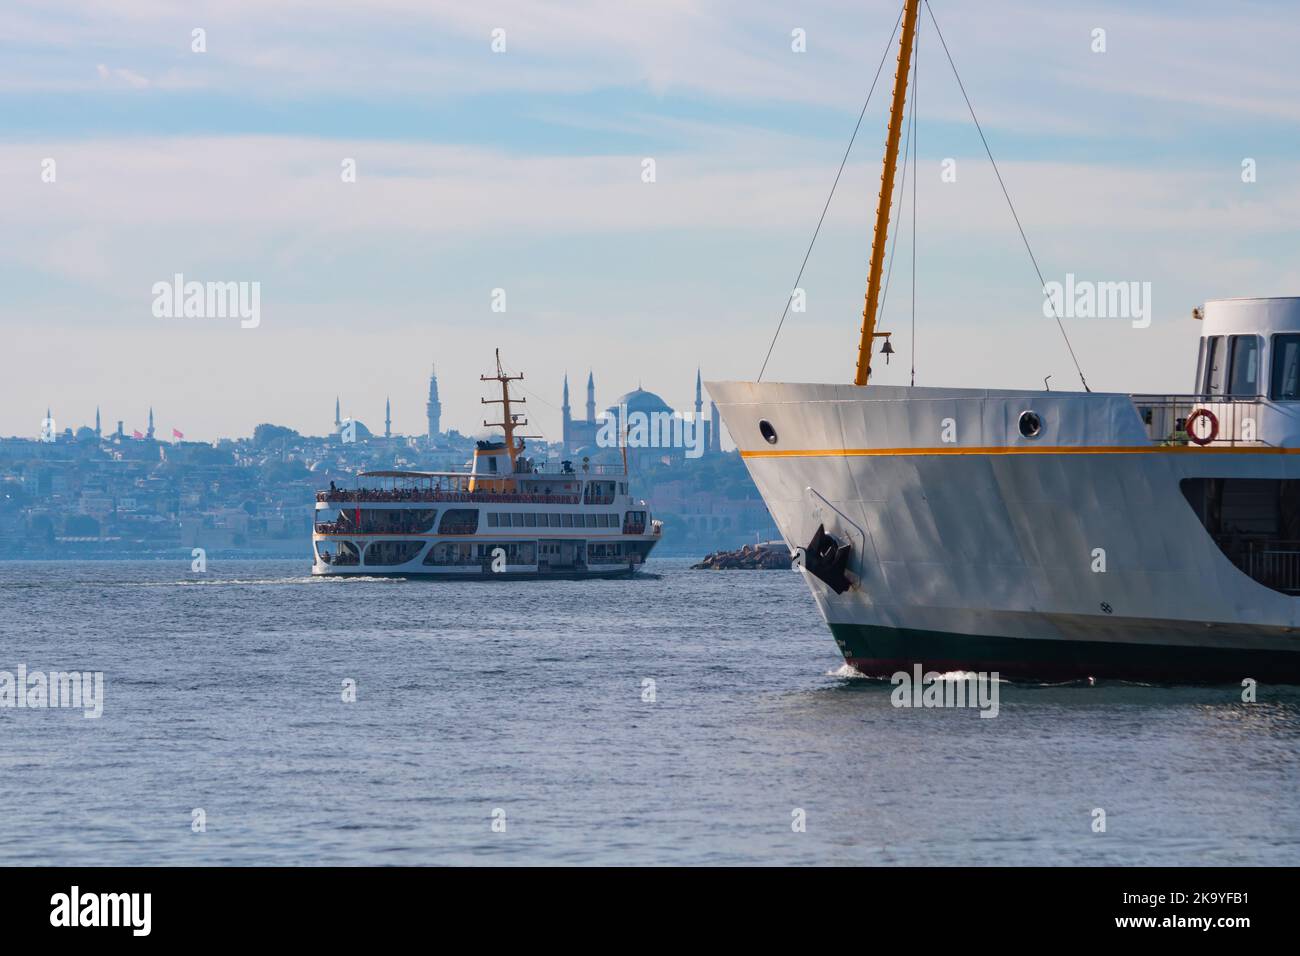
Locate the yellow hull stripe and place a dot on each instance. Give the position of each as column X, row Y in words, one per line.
column 1019, row 450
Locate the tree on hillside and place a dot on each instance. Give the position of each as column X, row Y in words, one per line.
column 265, row 434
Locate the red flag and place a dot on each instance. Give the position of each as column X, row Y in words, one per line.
column 135, row 434
column 176, row 434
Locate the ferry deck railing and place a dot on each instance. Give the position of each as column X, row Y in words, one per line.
column 404, row 495
column 1232, row 419
column 1273, row 562
column 1276, row 566
column 566, row 469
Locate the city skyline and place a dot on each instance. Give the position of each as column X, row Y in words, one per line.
column 343, row 411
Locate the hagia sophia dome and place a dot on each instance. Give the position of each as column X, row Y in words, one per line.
column 639, row 400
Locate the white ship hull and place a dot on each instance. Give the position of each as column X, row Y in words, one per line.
column 416, row 572
column 1072, row 554
column 486, row 558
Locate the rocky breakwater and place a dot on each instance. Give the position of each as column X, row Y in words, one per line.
column 770, row 556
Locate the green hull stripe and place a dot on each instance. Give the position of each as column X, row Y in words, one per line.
column 880, row 651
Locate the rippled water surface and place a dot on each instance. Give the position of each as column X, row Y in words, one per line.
column 223, row 691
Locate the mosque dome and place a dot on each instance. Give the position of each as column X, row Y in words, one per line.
column 361, row 430
column 640, row 400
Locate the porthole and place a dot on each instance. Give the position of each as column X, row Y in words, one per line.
column 1030, row 424
column 768, row 432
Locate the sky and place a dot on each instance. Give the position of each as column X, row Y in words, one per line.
column 127, row 156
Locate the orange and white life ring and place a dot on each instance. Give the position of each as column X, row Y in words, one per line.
column 1191, row 431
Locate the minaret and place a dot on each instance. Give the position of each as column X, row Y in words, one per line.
column 591, row 398
column 433, row 408
column 715, row 427
column 149, row 433
column 699, row 407
column 98, row 433
column 388, row 418
column 566, row 414
column 338, row 422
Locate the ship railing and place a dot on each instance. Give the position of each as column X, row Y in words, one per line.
column 606, row 559
column 598, row 499
column 341, row 560
column 1273, row 562
column 1215, row 419
column 341, row 528
column 403, row 496
column 565, row 469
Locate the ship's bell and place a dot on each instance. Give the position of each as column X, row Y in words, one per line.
column 887, row 351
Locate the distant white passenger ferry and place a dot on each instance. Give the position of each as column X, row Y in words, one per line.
column 508, row 517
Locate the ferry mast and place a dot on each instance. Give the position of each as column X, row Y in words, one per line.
column 507, row 423
column 868, row 332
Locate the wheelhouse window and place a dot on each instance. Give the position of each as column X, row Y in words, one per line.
column 1214, row 366
column 1243, row 373
column 1286, row 368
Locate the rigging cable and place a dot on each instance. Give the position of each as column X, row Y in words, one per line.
column 510, row 371
column 1042, row 284
column 857, row 126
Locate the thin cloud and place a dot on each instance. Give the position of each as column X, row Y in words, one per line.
column 118, row 76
